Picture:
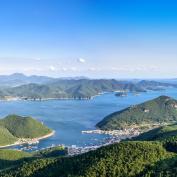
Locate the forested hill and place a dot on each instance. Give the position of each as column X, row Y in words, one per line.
column 13, row 127
column 77, row 89
column 126, row 159
column 163, row 133
column 159, row 110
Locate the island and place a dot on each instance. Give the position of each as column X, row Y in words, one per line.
column 121, row 94
column 16, row 130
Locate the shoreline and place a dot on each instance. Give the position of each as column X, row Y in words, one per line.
column 61, row 98
column 22, row 141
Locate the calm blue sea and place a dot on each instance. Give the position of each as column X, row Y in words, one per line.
column 69, row 117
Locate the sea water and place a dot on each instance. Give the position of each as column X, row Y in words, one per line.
column 69, row 117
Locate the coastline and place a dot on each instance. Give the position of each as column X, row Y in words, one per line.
column 60, row 98
column 21, row 141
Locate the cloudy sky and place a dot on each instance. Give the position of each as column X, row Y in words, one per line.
column 93, row 38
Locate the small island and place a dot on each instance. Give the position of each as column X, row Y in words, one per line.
column 16, row 130
column 121, row 94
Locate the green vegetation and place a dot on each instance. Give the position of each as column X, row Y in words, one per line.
column 160, row 110
column 13, row 127
column 51, row 152
column 6, row 137
column 24, row 127
column 118, row 160
column 161, row 133
column 11, row 158
column 164, row 168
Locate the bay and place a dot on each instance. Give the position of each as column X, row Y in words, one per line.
column 69, row 117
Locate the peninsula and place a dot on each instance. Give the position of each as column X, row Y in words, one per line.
column 158, row 111
column 15, row 130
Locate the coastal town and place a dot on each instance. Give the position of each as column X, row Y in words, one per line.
column 115, row 137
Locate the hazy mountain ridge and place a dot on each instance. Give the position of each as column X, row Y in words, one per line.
column 18, row 79
column 41, row 87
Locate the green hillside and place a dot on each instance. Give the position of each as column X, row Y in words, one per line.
column 11, row 158
column 13, row 127
column 161, row 133
column 24, row 127
column 118, row 160
column 6, row 137
column 160, row 110
column 164, row 168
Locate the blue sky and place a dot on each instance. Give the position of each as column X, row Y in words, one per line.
column 94, row 38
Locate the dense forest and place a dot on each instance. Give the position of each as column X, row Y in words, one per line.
column 118, row 160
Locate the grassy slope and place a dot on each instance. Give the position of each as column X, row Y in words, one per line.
column 6, row 137
column 118, row 160
column 24, row 127
column 159, row 110
column 13, row 127
column 11, row 158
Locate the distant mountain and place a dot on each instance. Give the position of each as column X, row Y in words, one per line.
column 159, row 110
column 154, row 85
column 42, row 87
column 71, row 89
column 17, row 79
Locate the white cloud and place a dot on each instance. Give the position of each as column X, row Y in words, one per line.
column 81, row 60
column 52, row 68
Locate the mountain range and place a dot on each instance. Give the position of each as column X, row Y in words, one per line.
column 40, row 87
